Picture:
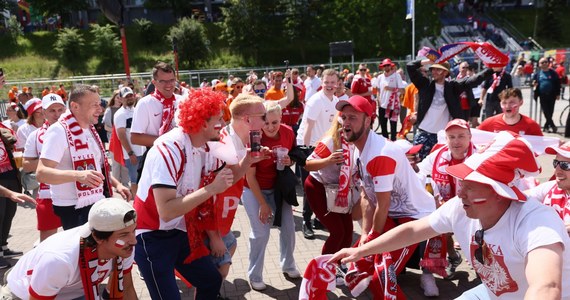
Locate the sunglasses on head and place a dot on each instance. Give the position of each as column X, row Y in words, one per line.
column 564, row 165
column 480, row 251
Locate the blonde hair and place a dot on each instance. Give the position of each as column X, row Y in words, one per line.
column 272, row 107
column 243, row 103
column 333, row 131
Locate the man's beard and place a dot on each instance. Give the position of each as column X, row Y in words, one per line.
column 355, row 135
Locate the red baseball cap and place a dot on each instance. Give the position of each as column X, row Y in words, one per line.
column 563, row 150
column 457, row 123
column 359, row 103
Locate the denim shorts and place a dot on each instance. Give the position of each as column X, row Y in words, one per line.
column 133, row 168
column 230, row 241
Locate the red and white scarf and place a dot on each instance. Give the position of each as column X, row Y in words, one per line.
column 83, row 158
column 88, row 262
column 464, row 100
column 434, row 259
column 393, row 107
column 558, row 199
column 446, row 184
column 343, row 194
column 5, row 163
column 318, row 279
column 43, row 193
column 496, row 80
column 167, row 111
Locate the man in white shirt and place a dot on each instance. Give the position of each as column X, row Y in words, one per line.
column 123, row 120
column 71, row 264
column 73, row 161
column 312, row 83
column 317, row 119
column 517, row 247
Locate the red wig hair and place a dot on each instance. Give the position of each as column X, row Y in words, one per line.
column 198, row 108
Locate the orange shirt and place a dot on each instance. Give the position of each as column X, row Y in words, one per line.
column 274, row 94
column 408, row 101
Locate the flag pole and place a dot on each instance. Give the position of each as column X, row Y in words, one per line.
column 413, row 30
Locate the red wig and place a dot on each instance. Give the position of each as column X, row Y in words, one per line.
column 198, row 108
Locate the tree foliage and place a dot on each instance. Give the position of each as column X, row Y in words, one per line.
column 180, row 8
column 106, row 44
column 60, row 7
column 549, row 25
column 192, row 41
column 14, row 29
column 144, row 29
column 69, row 46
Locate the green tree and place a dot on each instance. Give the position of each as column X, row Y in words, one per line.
column 14, row 29
column 144, row 29
column 107, row 45
column 60, row 7
column 69, row 46
column 549, row 22
column 245, row 25
column 192, row 42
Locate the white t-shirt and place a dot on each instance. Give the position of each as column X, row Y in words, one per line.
column 32, row 147
column 438, row 115
column 22, row 134
column 161, row 169
column 523, row 227
column 11, row 124
column 392, row 81
column 321, row 110
column 311, row 86
column 123, row 119
column 385, row 168
column 52, row 268
column 147, row 116
column 55, row 141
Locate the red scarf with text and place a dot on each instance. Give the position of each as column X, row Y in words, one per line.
column 434, row 259
column 558, row 199
column 167, row 111
column 393, row 107
column 496, row 80
column 83, row 158
column 88, row 262
column 446, row 184
column 43, row 193
column 343, row 194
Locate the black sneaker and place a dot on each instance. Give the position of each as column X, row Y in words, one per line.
column 317, row 224
column 9, row 253
column 4, row 264
column 308, row 232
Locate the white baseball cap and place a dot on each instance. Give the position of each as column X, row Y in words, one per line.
column 563, row 150
column 125, row 91
column 50, row 99
column 109, row 215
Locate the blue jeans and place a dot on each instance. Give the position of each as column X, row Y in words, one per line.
column 133, row 168
column 427, row 139
column 158, row 253
column 259, row 235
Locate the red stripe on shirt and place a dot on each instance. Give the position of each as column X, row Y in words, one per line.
column 381, row 166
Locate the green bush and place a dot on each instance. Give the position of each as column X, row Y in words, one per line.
column 69, row 46
column 192, row 40
column 14, row 29
column 107, row 45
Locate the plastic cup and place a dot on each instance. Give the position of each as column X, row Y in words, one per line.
column 18, row 156
column 281, row 152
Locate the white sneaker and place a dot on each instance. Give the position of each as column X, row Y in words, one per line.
column 258, row 286
column 295, row 274
column 427, row 283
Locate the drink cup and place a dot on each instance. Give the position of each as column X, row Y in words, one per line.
column 255, row 143
column 338, row 150
column 18, row 156
column 281, row 152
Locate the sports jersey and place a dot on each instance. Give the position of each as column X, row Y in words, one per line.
column 522, row 228
column 52, row 268
column 266, row 170
column 361, row 85
column 147, row 117
column 321, row 110
column 164, row 168
column 32, row 150
column 55, row 139
column 123, row 119
column 550, row 194
column 384, row 167
column 525, row 125
column 328, row 174
column 291, row 115
column 311, row 86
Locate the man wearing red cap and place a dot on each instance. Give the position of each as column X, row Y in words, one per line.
column 515, row 246
column 511, row 119
column 390, row 87
column 556, row 192
column 394, row 195
column 438, row 99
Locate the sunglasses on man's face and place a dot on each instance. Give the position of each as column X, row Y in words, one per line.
column 564, row 165
column 480, row 251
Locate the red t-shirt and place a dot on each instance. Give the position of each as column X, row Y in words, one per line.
column 266, row 170
column 526, row 125
column 361, row 86
column 291, row 115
